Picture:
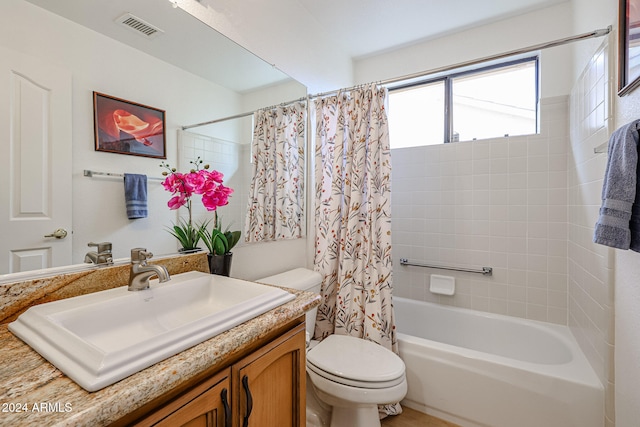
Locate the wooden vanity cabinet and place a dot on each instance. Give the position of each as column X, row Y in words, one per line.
column 206, row 405
column 265, row 388
column 269, row 385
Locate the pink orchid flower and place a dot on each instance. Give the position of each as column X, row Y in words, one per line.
column 202, row 181
column 177, row 201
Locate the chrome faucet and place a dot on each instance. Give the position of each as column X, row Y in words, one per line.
column 140, row 272
column 102, row 256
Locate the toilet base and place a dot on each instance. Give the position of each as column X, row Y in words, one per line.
column 360, row 416
column 352, row 406
column 318, row 413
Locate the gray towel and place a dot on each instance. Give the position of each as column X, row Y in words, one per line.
column 135, row 195
column 619, row 223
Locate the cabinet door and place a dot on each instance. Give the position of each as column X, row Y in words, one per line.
column 197, row 408
column 270, row 384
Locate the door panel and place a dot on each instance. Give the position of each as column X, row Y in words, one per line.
column 270, row 384
column 206, row 410
column 35, row 166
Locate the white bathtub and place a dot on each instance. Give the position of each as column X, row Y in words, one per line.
column 481, row 369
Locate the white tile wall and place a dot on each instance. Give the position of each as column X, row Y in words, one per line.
column 230, row 158
column 590, row 266
column 500, row 203
column 525, row 206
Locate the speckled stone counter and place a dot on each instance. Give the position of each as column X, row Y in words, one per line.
column 34, row 393
column 17, row 296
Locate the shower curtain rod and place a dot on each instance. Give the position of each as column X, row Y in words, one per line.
column 241, row 115
column 592, row 34
column 554, row 43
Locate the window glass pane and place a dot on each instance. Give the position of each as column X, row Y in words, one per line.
column 495, row 103
column 416, row 116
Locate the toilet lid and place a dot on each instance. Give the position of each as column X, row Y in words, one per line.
column 355, row 359
column 354, row 383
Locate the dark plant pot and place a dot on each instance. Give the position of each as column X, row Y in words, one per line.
column 220, row 264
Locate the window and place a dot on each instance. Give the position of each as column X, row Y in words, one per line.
column 489, row 102
column 416, row 115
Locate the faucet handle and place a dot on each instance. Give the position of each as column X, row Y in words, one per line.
column 102, row 246
column 140, row 255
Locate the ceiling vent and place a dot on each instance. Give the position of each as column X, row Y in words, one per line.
column 138, row 25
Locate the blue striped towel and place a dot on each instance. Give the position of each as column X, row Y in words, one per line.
column 135, row 195
column 619, row 223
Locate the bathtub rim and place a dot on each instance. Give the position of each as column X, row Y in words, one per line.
column 578, row 370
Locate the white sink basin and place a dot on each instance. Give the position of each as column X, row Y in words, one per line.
column 101, row 338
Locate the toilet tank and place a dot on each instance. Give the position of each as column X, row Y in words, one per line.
column 301, row 279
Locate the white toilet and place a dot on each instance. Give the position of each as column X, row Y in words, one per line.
column 347, row 377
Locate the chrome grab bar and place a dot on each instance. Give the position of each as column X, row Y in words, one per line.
column 487, row 271
column 90, row 174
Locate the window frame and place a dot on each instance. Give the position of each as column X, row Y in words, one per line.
column 448, row 89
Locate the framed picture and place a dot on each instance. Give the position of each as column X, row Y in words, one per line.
column 628, row 46
column 125, row 127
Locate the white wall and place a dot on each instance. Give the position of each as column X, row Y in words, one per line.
column 625, row 372
column 588, row 15
column 590, row 284
column 503, row 36
column 320, row 65
column 98, row 63
column 627, row 338
column 627, row 303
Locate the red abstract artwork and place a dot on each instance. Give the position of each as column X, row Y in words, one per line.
column 126, row 127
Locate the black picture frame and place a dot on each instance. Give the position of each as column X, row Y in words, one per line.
column 125, row 127
column 628, row 46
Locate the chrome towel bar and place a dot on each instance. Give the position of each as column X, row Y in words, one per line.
column 602, row 148
column 487, row 271
column 90, row 174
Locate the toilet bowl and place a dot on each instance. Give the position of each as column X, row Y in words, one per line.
column 354, row 376
column 347, row 377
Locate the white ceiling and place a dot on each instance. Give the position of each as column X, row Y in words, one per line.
column 344, row 29
column 364, row 27
column 186, row 42
column 316, row 41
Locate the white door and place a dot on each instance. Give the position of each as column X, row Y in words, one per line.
column 35, row 163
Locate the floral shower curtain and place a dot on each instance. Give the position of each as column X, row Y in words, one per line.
column 275, row 209
column 353, row 217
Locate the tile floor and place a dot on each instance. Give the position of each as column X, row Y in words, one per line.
column 413, row 418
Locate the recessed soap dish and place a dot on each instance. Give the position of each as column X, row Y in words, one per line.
column 443, row 285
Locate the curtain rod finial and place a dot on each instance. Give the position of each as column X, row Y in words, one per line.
column 602, row 32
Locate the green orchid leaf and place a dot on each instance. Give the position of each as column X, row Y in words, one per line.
column 220, row 243
column 187, row 235
column 233, row 237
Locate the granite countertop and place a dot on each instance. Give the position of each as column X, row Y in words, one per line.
column 34, row 392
